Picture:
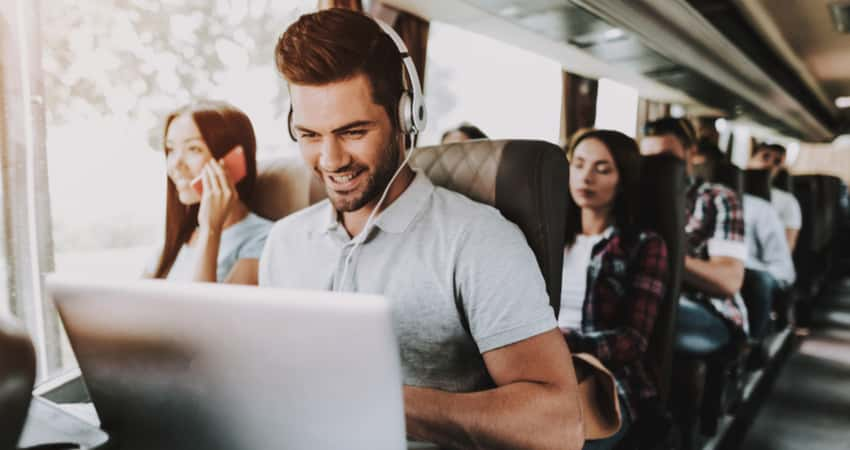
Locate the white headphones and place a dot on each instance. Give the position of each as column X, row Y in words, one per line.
column 412, row 114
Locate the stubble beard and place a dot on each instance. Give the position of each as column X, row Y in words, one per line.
column 376, row 183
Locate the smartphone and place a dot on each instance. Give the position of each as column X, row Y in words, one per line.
column 233, row 164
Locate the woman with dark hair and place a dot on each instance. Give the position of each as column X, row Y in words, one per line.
column 464, row 132
column 211, row 235
column 614, row 274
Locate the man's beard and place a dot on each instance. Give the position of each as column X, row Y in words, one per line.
column 376, row 182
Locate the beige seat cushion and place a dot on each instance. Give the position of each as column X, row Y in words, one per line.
column 285, row 185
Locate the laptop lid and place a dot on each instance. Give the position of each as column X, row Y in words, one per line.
column 195, row 365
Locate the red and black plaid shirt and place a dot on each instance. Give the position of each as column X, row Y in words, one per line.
column 714, row 212
column 626, row 282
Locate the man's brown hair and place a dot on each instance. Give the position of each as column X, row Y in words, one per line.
column 337, row 44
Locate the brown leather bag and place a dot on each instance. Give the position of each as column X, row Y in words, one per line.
column 600, row 404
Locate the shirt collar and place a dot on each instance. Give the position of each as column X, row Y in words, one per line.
column 331, row 216
column 400, row 214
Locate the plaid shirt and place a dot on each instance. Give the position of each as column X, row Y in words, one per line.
column 714, row 212
column 626, row 281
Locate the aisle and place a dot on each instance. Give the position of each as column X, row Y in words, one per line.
column 809, row 407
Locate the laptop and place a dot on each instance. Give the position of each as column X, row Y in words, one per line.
column 195, row 365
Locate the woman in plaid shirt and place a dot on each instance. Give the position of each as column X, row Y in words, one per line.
column 614, row 273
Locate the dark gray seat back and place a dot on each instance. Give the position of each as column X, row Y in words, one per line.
column 527, row 181
column 757, row 183
column 663, row 211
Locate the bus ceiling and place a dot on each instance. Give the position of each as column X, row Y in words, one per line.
column 779, row 63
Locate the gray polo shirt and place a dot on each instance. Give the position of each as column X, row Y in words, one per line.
column 460, row 277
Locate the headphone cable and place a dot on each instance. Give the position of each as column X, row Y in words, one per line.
column 366, row 228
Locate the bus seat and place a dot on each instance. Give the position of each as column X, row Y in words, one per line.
column 729, row 175
column 757, row 183
column 285, row 185
column 829, row 207
column 527, row 181
column 806, row 190
column 784, row 181
column 17, row 377
column 715, row 359
column 662, row 190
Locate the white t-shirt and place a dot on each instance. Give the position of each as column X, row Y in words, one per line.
column 574, row 280
column 767, row 248
column 788, row 208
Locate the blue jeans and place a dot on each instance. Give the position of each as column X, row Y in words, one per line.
column 759, row 290
column 611, row 442
column 699, row 331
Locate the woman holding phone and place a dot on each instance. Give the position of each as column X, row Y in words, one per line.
column 211, row 234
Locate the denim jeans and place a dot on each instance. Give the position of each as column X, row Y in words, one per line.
column 699, row 331
column 759, row 290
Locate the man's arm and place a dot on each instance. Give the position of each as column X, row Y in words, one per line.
column 534, row 406
column 720, row 276
column 791, row 235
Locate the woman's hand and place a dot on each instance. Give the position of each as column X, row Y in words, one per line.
column 217, row 200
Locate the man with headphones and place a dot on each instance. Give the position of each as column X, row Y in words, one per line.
column 484, row 365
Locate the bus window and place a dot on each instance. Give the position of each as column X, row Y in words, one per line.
column 112, row 71
column 506, row 91
column 617, row 107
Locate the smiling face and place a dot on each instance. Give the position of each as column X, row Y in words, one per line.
column 186, row 154
column 593, row 175
column 347, row 139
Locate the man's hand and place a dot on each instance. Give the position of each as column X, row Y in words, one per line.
column 720, row 276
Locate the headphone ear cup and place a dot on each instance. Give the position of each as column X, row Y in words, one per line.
column 405, row 113
column 418, row 113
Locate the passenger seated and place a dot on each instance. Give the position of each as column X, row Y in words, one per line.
column 772, row 156
column 483, row 362
column 213, row 236
column 614, row 273
column 709, row 310
column 769, row 267
column 464, row 132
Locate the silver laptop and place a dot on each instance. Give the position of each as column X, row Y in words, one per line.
column 188, row 366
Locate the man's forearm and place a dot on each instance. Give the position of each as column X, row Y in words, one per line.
column 519, row 415
column 791, row 236
column 721, row 280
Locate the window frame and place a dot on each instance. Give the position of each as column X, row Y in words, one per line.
column 28, row 244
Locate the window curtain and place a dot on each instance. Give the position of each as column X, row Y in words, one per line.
column 578, row 105
column 413, row 31
column 356, row 5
